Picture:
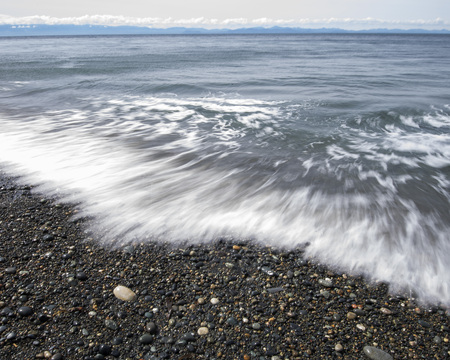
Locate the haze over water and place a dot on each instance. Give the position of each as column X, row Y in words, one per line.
column 337, row 142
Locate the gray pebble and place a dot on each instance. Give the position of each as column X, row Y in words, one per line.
column 151, row 328
column 274, row 290
column 325, row 282
column 111, row 324
column 146, row 339
column 376, row 354
column 10, row 270
column 25, row 311
column 424, row 323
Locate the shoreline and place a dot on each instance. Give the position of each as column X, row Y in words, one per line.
column 224, row 300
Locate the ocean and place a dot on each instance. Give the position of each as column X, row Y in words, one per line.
column 338, row 144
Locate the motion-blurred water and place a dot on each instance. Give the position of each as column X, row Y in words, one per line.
column 341, row 142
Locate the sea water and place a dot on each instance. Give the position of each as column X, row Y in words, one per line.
column 339, row 144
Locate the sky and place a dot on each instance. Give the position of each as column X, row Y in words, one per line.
column 348, row 14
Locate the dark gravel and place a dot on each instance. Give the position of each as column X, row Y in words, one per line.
column 249, row 302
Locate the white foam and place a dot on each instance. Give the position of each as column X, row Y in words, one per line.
column 176, row 190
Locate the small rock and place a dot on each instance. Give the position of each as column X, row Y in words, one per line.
column 338, row 347
column 386, row 311
column 267, row 271
column 57, row 356
column 274, row 290
column 351, row 315
column 361, row 327
column 437, row 339
column 48, row 237
column 151, row 328
column 104, row 349
column 111, row 324
column 10, row 270
column 326, row 282
column 256, row 326
column 11, row 336
column 146, row 339
column 124, row 293
column 236, row 247
column 189, row 337
column 25, row 311
column 201, row 301
column 81, row 275
column 203, row 331
column 424, row 323
column 214, row 301
column 376, row 354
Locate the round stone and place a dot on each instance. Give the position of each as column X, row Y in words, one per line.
column 256, row 326
column 351, row 316
column 124, row 293
column 151, row 328
column 203, row 331
column 214, row 301
column 104, row 349
column 25, row 311
column 338, row 348
column 81, row 275
column 336, row 317
column 146, row 339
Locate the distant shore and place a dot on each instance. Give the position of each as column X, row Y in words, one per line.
column 225, row 300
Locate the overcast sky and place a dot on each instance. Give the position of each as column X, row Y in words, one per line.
column 432, row 14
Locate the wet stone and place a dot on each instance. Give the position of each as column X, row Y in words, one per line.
column 81, row 275
column 188, row 337
column 10, row 270
column 325, row 282
column 336, row 317
column 274, row 290
column 203, row 331
column 256, row 326
column 25, row 311
column 424, row 323
column 104, row 349
column 151, row 328
column 111, row 324
column 48, row 237
column 376, row 354
column 146, row 339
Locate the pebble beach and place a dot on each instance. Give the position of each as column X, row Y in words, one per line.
column 64, row 295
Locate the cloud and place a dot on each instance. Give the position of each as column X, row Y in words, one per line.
column 344, row 23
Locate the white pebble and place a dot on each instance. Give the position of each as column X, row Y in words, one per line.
column 214, row 301
column 202, row 331
column 124, row 293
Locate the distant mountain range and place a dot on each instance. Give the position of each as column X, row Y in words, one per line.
column 58, row 30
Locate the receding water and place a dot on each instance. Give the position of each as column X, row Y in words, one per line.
column 340, row 143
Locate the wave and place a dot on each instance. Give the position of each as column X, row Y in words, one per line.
column 368, row 195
